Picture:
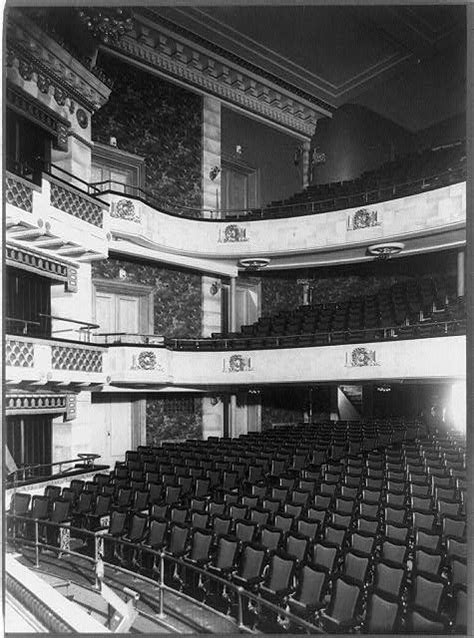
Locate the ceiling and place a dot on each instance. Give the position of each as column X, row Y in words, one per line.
column 406, row 63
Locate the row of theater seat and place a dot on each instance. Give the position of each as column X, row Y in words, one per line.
column 412, row 309
column 402, row 506
column 408, row 175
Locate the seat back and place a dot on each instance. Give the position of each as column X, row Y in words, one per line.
column 356, row 566
column 221, row 524
column 178, row 539
column 280, row 574
column 245, row 531
column 389, row 578
column 252, row 561
column 178, row 514
column 308, row 528
column 428, row 561
column 19, row 503
column 382, row 615
column 362, row 542
column 428, row 593
column 296, row 546
column 199, row 520
column 117, row 522
column 312, row 584
column 137, row 527
column 60, row 510
column 52, row 492
column 325, row 556
column 39, row 506
column 201, row 545
column 270, row 537
column 84, row 503
column 283, row 522
column 157, row 532
column 395, row 552
column 345, row 600
column 227, row 547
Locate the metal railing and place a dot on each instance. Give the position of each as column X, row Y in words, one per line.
column 243, row 342
column 272, row 211
column 44, row 470
column 22, row 322
column 84, row 331
column 160, row 557
column 113, row 338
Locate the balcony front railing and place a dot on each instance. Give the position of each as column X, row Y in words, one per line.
column 336, row 337
column 26, row 473
column 44, row 533
column 311, row 207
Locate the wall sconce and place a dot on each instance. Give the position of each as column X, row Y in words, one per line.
column 214, row 172
column 215, row 400
column 123, row 273
column 113, row 141
column 215, row 287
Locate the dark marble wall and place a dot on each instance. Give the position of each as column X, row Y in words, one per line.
column 177, row 294
column 159, row 121
column 163, row 425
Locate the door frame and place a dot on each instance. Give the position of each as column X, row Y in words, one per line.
column 145, row 294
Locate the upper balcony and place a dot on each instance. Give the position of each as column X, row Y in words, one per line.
column 426, row 221
column 53, row 210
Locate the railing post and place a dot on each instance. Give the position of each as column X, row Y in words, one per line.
column 162, row 583
column 240, row 609
column 37, row 563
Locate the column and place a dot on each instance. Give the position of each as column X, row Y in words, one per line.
column 461, row 273
column 305, row 163
column 211, row 155
column 232, row 304
column 233, row 415
column 212, row 413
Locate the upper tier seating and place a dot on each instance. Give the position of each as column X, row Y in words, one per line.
column 354, row 483
column 407, row 310
column 407, row 175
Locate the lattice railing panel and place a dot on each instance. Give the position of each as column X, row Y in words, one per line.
column 76, row 359
column 19, row 354
column 18, row 194
column 76, row 205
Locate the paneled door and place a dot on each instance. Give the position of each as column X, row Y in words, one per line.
column 123, row 307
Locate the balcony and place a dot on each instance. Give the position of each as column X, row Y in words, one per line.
column 32, row 361
column 57, row 214
column 431, row 220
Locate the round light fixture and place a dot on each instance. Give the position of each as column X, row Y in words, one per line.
column 386, row 250
column 254, row 263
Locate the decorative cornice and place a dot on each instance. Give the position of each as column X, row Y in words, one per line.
column 177, row 58
column 66, row 78
column 153, row 14
column 45, row 265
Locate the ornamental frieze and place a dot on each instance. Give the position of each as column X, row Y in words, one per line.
column 232, row 234
column 237, row 363
column 362, row 218
column 40, row 403
column 361, row 358
column 146, row 360
column 125, row 209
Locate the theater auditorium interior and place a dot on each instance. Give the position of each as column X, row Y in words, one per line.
column 235, row 316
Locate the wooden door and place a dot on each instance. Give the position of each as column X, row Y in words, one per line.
column 128, row 314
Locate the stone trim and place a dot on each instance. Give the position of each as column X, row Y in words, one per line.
column 48, row 58
column 45, row 265
column 36, row 403
column 178, row 59
column 26, row 105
